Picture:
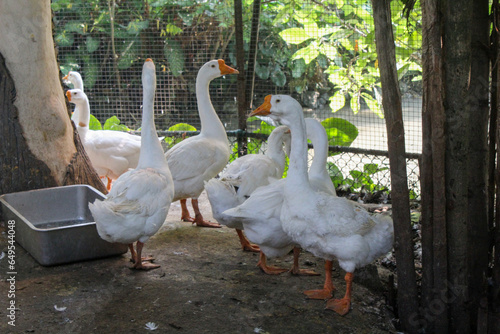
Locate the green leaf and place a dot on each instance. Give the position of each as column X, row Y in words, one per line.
column 337, row 101
column 299, row 67
column 262, row 72
column 175, row 56
column 335, row 174
column 370, row 169
column 172, row 29
column 309, row 53
column 339, row 131
column 92, row 44
column 278, row 78
column 94, row 123
column 75, row 26
column 135, row 27
column 113, row 123
column 64, row 39
column 91, row 70
column 294, row 35
column 373, row 104
column 126, row 60
column 182, row 127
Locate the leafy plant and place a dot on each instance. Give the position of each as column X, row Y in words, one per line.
column 112, row 123
column 364, row 178
column 342, row 43
column 180, row 127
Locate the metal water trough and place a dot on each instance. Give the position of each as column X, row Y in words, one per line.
column 55, row 225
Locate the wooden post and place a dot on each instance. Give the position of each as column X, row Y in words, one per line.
column 391, row 100
column 240, row 63
column 252, row 53
column 434, row 239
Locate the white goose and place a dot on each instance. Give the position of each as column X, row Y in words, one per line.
column 112, row 153
column 138, row 203
column 200, row 158
column 327, row 226
column 242, row 177
column 260, row 214
column 76, row 79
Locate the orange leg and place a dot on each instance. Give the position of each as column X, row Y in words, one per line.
column 109, row 184
column 342, row 306
column 245, row 244
column 328, row 288
column 138, row 264
column 295, row 269
column 185, row 217
column 134, row 255
column 198, row 218
column 268, row 269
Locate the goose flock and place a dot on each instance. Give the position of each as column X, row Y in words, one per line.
column 271, row 214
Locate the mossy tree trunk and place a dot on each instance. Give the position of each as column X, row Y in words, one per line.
column 455, row 166
column 39, row 147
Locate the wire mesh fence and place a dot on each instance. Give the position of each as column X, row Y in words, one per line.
column 320, row 52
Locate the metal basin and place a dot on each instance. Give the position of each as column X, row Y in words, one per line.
column 55, row 225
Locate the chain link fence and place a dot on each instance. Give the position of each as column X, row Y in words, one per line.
column 320, row 52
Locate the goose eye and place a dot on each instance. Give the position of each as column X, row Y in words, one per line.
column 278, row 100
column 213, row 65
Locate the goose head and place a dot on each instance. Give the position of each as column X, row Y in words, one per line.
column 75, row 78
column 216, row 68
column 280, row 108
column 76, row 96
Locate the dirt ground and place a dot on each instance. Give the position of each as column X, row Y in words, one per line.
column 206, row 284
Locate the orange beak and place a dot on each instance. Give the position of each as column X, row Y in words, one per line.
column 149, row 59
column 66, row 76
column 224, row 69
column 264, row 109
column 68, row 95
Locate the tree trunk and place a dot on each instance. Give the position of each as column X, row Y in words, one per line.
column 37, row 139
column 456, row 31
column 478, row 100
column 434, row 253
column 391, row 99
column 240, row 62
column 252, row 52
column 494, row 289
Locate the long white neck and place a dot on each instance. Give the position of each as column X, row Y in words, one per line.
column 316, row 133
column 297, row 169
column 83, row 117
column 152, row 154
column 318, row 174
column 211, row 126
column 275, row 146
column 77, row 84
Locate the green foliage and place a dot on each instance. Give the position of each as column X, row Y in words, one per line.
column 337, row 38
column 180, row 127
column 339, row 131
column 175, row 56
column 112, row 123
column 359, row 179
column 94, row 123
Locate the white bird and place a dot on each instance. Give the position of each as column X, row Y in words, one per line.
column 242, row 176
column 112, row 153
column 260, row 214
column 325, row 225
column 76, row 79
column 200, row 158
column 138, row 203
